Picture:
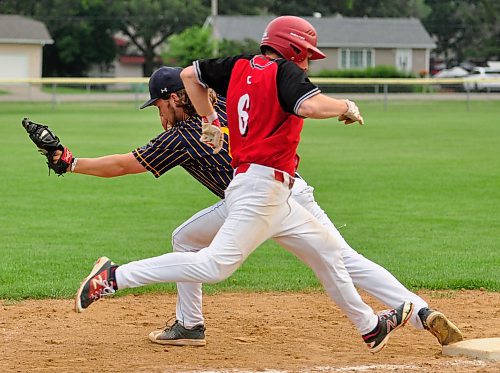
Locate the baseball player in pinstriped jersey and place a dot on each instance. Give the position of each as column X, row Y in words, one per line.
column 181, row 146
column 198, row 232
column 178, row 145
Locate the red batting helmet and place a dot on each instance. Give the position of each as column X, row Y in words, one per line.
column 292, row 37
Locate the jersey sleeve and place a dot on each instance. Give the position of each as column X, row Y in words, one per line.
column 294, row 86
column 216, row 72
column 162, row 153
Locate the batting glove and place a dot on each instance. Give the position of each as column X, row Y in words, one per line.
column 211, row 133
column 352, row 114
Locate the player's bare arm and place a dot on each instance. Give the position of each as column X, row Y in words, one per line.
column 109, row 165
column 200, row 98
column 197, row 93
column 61, row 160
column 321, row 106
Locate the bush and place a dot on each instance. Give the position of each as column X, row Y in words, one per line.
column 381, row 71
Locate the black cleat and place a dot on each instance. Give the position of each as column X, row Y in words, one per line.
column 177, row 335
column 388, row 322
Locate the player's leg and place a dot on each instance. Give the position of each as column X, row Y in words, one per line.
column 253, row 203
column 308, row 239
column 193, row 235
column 373, row 278
column 365, row 274
column 304, row 236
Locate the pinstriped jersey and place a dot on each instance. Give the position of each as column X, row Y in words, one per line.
column 181, row 146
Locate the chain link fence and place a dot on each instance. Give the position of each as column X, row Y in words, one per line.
column 60, row 90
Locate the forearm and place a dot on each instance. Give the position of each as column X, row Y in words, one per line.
column 109, row 165
column 197, row 93
column 321, row 106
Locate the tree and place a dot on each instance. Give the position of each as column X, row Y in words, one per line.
column 231, row 7
column 351, row 8
column 197, row 43
column 465, row 29
column 233, row 47
column 191, row 44
column 386, row 8
column 148, row 23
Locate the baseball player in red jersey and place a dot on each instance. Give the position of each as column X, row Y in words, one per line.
column 267, row 97
column 264, row 124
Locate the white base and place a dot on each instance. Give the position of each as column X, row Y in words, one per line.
column 482, row 348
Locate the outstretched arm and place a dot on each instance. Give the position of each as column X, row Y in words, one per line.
column 107, row 166
column 321, row 106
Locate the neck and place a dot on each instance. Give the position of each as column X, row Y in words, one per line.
column 272, row 55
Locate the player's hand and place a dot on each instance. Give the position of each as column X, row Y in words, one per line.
column 59, row 157
column 211, row 134
column 352, row 114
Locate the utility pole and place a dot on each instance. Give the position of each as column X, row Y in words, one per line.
column 215, row 10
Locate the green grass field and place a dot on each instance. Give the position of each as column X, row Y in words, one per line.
column 417, row 188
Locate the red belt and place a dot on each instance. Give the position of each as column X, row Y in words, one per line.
column 278, row 175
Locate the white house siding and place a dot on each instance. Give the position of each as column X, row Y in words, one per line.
column 329, row 63
column 20, row 61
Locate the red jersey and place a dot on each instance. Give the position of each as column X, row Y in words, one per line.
column 263, row 96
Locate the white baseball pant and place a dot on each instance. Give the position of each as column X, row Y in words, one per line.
column 258, row 207
column 197, row 233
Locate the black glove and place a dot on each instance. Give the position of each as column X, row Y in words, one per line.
column 48, row 143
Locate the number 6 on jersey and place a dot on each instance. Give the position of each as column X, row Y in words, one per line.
column 243, row 106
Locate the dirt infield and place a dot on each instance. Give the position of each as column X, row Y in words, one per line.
column 245, row 333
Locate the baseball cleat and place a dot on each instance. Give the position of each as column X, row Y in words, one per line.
column 99, row 283
column 178, row 335
column 388, row 322
column 443, row 329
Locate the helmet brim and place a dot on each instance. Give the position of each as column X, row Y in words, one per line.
column 316, row 53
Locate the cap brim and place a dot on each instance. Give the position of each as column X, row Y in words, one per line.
column 149, row 102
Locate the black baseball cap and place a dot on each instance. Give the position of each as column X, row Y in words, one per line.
column 164, row 81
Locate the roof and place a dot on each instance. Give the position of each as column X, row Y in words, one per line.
column 16, row 29
column 336, row 31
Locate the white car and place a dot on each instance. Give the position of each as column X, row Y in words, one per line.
column 480, row 73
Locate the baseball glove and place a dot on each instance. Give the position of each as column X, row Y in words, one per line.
column 48, row 143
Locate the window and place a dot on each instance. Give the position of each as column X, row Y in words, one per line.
column 356, row 58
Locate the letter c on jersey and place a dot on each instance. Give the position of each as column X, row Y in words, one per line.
column 249, row 78
column 243, row 106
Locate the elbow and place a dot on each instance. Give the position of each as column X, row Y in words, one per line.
column 306, row 109
column 188, row 74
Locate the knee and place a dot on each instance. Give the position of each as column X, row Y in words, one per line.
column 219, row 275
column 182, row 240
column 224, row 266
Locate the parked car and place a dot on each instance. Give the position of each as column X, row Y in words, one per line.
column 482, row 72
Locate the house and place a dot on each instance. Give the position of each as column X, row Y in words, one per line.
column 21, row 45
column 349, row 43
column 127, row 64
